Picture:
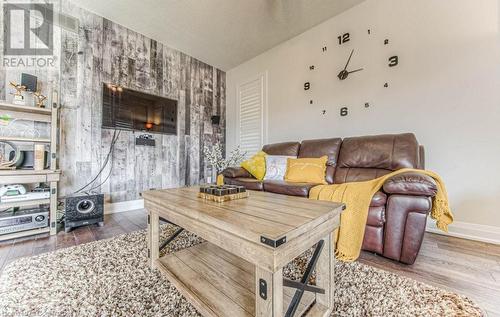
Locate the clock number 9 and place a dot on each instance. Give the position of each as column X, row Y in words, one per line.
column 307, row 86
column 393, row 61
column 343, row 38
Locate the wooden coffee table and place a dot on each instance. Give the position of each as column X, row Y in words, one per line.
column 238, row 271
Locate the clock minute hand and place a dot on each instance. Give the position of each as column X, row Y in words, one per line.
column 356, row 70
column 349, row 60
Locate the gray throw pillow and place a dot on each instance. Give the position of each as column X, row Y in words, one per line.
column 276, row 167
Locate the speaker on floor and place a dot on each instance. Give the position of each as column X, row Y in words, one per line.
column 82, row 210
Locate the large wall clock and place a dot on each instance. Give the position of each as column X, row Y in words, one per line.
column 346, row 67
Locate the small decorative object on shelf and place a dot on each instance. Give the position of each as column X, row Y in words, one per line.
column 18, row 95
column 222, row 193
column 40, row 99
column 39, row 157
column 11, row 191
column 215, row 157
column 6, row 163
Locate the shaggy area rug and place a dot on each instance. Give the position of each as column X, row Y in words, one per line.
column 111, row 278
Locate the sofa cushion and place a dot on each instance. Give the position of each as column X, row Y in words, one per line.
column 376, row 216
column 286, row 148
column 411, row 184
column 276, row 167
column 306, row 170
column 344, row 175
column 249, row 183
column 256, row 165
column 379, row 199
column 390, row 151
column 373, row 241
column 234, row 172
column 368, row 157
column 286, row 188
column 319, row 148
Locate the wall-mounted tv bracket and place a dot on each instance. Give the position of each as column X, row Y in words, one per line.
column 303, row 285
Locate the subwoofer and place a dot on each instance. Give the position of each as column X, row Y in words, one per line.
column 83, row 210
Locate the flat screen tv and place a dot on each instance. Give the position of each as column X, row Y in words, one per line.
column 126, row 109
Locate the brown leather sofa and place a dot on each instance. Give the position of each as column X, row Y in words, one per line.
column 398, row 213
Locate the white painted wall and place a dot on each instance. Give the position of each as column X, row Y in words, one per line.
column 446, row 89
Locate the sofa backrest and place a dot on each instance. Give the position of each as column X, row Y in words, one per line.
column 368, row 157
column 285, row 148
column 322, row 147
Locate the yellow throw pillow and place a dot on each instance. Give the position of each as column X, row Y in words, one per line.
column 306, row 170
column 256, row 165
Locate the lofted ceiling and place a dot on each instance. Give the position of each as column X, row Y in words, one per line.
column 222, row 33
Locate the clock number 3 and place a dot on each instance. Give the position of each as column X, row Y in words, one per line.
column 393, row 61
column 343, row 38
column 307, row 86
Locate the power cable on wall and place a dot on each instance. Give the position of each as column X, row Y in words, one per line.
column 116, row 135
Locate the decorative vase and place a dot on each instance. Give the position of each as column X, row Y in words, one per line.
column 220, row 180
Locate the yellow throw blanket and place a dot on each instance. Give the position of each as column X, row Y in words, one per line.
column 357, row 197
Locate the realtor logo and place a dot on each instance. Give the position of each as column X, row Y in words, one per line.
column 28, row 28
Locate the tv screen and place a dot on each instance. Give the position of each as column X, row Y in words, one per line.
column 127, row 109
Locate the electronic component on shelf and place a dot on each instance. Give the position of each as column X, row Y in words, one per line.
column 25, row 197
column 42, row 188
column 12, row 190
column 146, row 136
column 27, row 219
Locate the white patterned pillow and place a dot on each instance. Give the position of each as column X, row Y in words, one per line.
column 276, row 167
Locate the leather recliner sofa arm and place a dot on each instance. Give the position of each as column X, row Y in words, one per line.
column 236, row 172
column 411, row 183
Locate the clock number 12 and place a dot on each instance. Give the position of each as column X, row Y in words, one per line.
column 343, row 38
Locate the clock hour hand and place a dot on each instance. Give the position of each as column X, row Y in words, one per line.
column 356, row 70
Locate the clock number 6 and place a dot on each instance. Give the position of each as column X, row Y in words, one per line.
column 393, row 61
column 344, row 111
column 343, row 38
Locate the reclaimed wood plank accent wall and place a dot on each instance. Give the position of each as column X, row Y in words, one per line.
column 104, row 51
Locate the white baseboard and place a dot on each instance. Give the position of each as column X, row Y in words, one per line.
column 470, row 231
column 112, row 208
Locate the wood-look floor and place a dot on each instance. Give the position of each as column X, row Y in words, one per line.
column 466, row 267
